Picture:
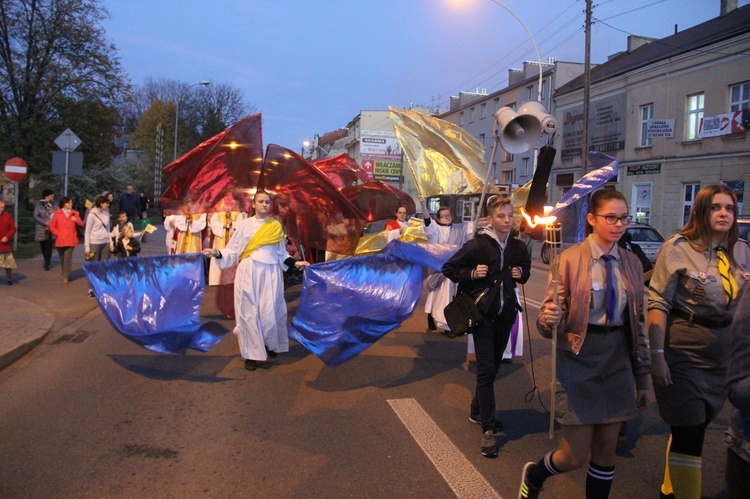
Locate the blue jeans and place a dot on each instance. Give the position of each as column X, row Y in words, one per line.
column 490, row 340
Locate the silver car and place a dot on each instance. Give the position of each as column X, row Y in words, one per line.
column 647, row 238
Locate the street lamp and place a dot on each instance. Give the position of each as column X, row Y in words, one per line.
column 312, row 147
column 205, row 83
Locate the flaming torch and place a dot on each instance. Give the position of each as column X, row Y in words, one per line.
column 554, row 239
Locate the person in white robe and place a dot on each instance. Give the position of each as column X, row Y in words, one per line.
column 222, row 225
column 440, row 289
column 260, row 310
column 189, row 229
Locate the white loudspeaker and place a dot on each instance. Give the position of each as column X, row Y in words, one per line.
column 518, row 132
column 536, row 109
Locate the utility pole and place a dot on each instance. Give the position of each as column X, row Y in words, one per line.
column 586, row 92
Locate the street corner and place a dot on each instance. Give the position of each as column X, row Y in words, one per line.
column 25, row 325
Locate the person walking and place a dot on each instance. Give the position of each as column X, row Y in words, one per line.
column 737, row 436
column 602, row 353
column 43, row 211
column 488, row 266
column 7, row 231
column 130, row 204
column 692, row 296
column 440, row 289
column 127, row 244
column 261, row 314
column 64, row 225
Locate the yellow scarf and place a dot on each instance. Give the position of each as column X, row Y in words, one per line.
column 270, row 232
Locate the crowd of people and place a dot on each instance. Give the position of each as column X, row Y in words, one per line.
column 622, row 327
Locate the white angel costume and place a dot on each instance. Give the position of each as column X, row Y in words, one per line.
column 441, row 289
column 259, row 306
column 185, row 233
column 222, row 225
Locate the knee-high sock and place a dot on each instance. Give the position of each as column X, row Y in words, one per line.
column 599, row 481
column 685, row 472
column 666, row 486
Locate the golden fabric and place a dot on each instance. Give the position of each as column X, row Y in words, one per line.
column 442, row 157
column 270, row 232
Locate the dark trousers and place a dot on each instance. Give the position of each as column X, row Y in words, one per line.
column 490, row 340
column 47, row 251
column 738, row 475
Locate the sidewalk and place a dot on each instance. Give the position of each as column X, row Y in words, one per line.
column 38, row 303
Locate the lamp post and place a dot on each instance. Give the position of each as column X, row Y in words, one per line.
column 205, row 83
column 312, row 148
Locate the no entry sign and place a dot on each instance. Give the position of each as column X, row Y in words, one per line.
column 15, row 169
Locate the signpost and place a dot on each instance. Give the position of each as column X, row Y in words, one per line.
column 15, row 170
column 68, row 142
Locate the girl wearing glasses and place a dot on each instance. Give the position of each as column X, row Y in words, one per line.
column 260, row 310
column 602, row 357
column 692, row 296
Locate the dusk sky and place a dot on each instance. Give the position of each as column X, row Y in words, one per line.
column 310, row 66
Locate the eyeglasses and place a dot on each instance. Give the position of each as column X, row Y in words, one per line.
column 612, row 219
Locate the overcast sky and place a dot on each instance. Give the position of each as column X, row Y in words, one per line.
column 310, row 66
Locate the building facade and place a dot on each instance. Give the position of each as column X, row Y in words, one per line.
column 674, row 112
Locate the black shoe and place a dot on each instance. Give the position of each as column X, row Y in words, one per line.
column 46, row 266
column 527, row 490
column 271, row 354
column 91, row 293
column 431, row 326
column 450, row 334
column 250, row 365
column 498, row 424
column 10, row 282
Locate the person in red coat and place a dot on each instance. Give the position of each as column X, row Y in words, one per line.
column 63, row 226
column 7, row 230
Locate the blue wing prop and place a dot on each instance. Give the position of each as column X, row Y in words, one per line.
column 347, row 305
column 155, row 301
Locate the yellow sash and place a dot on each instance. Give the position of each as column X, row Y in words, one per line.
column 270, row 232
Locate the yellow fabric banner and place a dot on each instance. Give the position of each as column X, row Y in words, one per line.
column 442, row 157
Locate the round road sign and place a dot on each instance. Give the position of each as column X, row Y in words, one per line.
column 15, row 169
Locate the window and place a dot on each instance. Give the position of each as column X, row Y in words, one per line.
column 691, row 190
column 496, row 104
column 530, row 92
column 461, row 118
column 647, row 113
column 483, row 111
column 509, row 176
column 739, row 97
column 507, row 156
column 471, row 115
column 525, row 170
column 481, row 138
column 694, row 116
column 641, row 202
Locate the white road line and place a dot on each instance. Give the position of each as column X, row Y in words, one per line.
column 458, row 472
column 528, row 300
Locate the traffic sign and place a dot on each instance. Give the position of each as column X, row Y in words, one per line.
column 15, row 169
column 68, row 141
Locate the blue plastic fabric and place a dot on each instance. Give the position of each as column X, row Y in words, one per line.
column 155, row 301
column 607, row 168
column 347, row 305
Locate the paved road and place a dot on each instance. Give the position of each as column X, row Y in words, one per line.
column 89, row 414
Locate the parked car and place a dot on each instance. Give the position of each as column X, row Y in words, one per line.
column 744, row 223
column 643, row 235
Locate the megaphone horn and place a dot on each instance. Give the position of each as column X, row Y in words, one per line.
column 519, row 132
column 536, row 109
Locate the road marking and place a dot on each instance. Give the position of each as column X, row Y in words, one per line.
column 458, row 472
column 528, row 300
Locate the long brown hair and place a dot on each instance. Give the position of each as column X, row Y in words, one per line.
column 697, row 230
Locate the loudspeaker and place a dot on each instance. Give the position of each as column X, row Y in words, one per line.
column 537, row 110
column 518, row 133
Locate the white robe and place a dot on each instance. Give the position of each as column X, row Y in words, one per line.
column 259, row 305
column 438, row 298
column 218, row 225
